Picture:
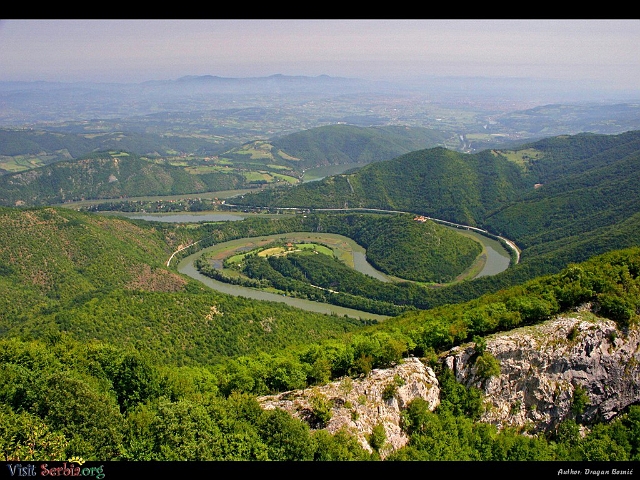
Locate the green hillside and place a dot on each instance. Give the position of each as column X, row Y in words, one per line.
column 108, row 354
column 107, row 175
column 584, row 183
column 345, row 144
column 560, row 199
column 436, row 182
column 167, row 370
column 44, row 168
column 330, row 145
column 30, row 147
column 95, row 277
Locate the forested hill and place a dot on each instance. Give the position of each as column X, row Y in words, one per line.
column 437, row 182
column 52, row 145
column 561, row 199
column 454, row 186
column 344, row 144
column 327, row 145
column 126, row 371
column 106, row 175
column 95, row 277
column 585, row 183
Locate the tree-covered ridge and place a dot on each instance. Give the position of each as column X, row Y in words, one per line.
column 126, row 407
column 463, row 188
column 437, row 182
column 51, row 257
column 105, row 278
column 55, row 145
column 413, row 248
column 107, row 175
column 344, row 144
column 561, row 199
column 597, row 189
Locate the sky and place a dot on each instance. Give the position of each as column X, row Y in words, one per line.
column 132, row 51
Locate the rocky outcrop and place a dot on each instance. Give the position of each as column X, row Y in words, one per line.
column 544, row 368
column 358, row 405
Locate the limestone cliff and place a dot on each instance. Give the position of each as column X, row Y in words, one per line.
column 360, row 404
column 543, row 368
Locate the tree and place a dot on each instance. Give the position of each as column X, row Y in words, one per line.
column 487, row 366
column 580, row 400
column 134, row 381
column 415, row 416
column 341, row 446
column 377, row 437
column 25, row 437
column 321, row 406
column 286, row 438
column 88, row 417
column 170, row 431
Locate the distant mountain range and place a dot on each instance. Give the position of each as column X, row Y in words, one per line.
column 31, row 102
column 38, row 101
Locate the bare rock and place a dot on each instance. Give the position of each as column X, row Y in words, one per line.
column 542, row 367
column 358, row 405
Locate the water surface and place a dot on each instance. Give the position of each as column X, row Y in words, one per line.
column 498, row 260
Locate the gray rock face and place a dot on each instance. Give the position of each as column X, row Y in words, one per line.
column 542, row 366
column 541, row 369
column 358, row 405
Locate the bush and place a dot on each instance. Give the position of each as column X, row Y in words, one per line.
column 487, row 366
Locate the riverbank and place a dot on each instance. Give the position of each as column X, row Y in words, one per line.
column 494, row 259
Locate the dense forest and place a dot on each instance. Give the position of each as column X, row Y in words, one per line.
column 105, row 175
column 560, row 199
column 346, row 144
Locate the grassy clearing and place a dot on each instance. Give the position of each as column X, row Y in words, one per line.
column 331, row 244
column 286, row 178
column 237, row 258
column 521, row 157
column 19, row 163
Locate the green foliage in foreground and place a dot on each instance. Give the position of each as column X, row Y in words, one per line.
column 97, row 402
column 67, row 399
column 609, row 283
column 126, row 397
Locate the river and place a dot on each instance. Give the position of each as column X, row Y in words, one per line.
column 497, row 260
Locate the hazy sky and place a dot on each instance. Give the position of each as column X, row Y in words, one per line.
column 139, row 50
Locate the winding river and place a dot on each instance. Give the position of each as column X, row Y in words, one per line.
column 497, row 260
